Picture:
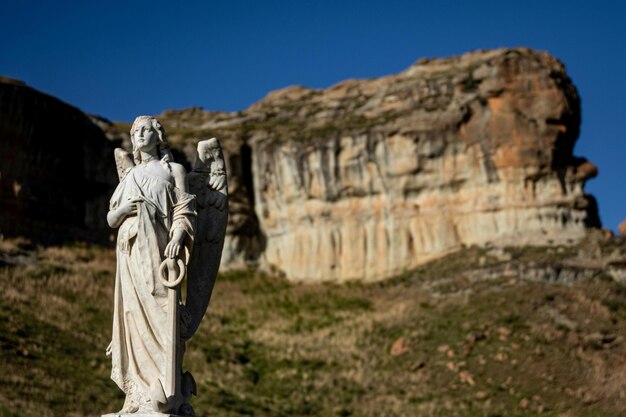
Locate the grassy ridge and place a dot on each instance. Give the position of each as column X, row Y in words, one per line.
column 468, row 335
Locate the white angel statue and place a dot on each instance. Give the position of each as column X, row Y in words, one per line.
column 156, row 217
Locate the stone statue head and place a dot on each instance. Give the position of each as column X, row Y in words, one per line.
column 163, row 148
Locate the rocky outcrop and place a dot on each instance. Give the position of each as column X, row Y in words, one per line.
column 364, row 180
column 370, row 178
column 56, row 167
column 399, row 170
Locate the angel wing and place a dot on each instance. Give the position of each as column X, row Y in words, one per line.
column 123, row 162
column 208, row 182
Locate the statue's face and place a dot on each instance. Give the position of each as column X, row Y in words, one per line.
column 145, row 137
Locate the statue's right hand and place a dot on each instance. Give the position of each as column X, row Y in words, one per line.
column 129, row 208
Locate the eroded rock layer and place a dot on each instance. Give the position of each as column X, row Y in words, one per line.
column 370, row 178
column 363, row 180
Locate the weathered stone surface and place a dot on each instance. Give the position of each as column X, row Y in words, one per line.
column 55, row 167
column 467, row 150
column 370, row 178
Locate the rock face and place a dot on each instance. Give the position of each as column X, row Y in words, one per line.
column 402, row 169
column 56, row 167
column 370, row 178
column 364, row 180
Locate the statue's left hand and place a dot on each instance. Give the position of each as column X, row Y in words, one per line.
column 173, row 247
column 217, row 182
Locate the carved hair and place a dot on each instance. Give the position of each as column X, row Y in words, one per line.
column 163, row 148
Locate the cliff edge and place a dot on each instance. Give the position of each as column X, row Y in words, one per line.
column 364, row 180
column 371, row 178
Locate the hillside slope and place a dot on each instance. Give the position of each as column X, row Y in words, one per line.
column 513, row 332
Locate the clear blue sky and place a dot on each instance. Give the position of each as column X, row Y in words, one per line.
column 120, row 59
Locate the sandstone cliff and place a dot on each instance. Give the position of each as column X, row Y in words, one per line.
column 370, row 178
column 56, row 169
column 364, row 180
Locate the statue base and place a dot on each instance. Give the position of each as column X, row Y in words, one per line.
column 142, row 414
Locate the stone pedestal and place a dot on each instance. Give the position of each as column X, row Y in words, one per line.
column 141, row 414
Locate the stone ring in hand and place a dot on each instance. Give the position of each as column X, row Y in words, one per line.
column 171, row 272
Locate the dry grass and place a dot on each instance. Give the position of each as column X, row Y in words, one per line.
column 454, row 338
column 54, row 316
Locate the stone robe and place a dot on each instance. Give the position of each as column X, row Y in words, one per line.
column 140, row 337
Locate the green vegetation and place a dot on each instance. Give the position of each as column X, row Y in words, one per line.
column 435, row 342
column 469, row 84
